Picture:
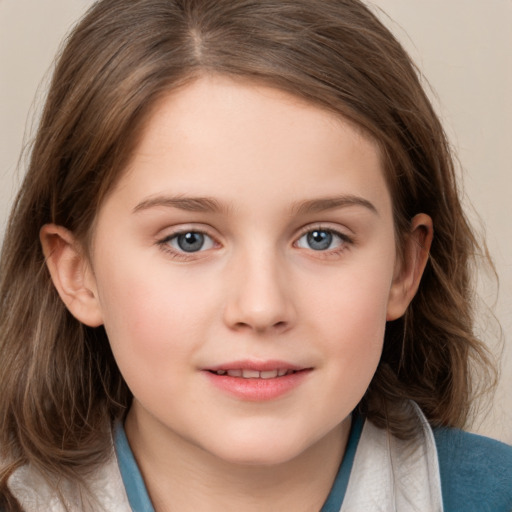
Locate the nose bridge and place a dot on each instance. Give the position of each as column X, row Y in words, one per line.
column 259, row 294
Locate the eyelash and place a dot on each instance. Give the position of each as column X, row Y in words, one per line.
column 182, row 255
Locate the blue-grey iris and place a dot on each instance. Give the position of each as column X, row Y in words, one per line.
column 319, row 240
column 190, row 242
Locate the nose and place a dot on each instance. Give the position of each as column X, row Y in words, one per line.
column 260, row 297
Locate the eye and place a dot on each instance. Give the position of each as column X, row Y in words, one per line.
column 321, row 240
column 190, row 241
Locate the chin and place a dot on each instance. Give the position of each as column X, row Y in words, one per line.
column 259, row 450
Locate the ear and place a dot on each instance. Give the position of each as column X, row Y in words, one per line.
column 410, row 267
column 71, row 274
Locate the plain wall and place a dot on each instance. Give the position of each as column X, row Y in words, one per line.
column 464, row 48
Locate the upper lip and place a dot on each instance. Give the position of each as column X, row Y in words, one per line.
column 260, row 366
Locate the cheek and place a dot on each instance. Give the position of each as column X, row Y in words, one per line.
column 153, row 317
column 351, row 318
column 352, row 299
column 358, row 327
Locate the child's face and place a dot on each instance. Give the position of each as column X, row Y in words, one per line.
column 250, row 232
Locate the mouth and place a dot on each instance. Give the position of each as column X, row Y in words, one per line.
column 257, row 381
column 255, row 374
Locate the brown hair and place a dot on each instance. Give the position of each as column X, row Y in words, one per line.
column 60, row 384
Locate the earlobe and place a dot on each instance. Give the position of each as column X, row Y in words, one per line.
column 411, row 266
column 71, row 274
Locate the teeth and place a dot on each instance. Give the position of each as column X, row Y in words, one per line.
column 250, row 374
column 255, row 374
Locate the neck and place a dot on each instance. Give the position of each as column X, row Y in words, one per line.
column 182, row 476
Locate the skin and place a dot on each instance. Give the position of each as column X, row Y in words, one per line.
column 273, row 169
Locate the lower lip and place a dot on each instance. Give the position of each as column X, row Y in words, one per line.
column 258, row 390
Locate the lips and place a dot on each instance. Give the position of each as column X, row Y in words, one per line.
column 256, row 380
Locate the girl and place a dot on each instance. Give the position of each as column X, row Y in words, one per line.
column 210, row 282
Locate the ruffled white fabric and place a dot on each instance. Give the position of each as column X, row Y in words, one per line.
column 106, row 486
column 388, row 475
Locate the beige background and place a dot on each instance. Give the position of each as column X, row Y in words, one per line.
column 464, row 47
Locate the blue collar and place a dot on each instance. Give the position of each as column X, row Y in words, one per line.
column 132, row 479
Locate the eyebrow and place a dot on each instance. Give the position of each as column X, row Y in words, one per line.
column 211, row 205
column 330, row 203
column 190, row 204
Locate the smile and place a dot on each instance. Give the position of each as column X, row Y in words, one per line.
column 255, row 374
column 257, row 381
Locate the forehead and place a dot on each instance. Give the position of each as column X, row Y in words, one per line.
column 223, row 137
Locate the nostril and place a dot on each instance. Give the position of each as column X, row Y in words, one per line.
column 277, row 326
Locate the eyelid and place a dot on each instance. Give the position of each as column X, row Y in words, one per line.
column 180, row 229
column 325, row 227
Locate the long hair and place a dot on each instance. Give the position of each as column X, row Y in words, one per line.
column 60, row 385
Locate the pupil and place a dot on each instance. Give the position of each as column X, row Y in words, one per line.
column 319, row 240
column 191, row 242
